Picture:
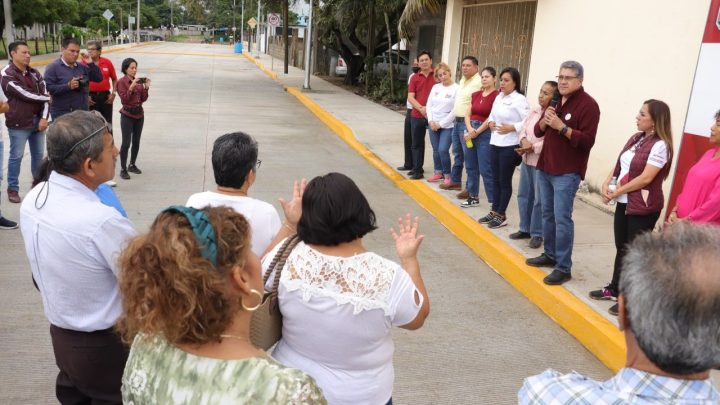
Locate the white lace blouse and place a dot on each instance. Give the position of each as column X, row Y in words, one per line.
column 337, row 316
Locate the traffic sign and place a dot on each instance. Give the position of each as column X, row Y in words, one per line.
column 252, row 22
column 108, row 15
column 131, row 19
column 273, row 20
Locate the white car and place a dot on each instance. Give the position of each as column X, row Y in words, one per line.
column 341, row 67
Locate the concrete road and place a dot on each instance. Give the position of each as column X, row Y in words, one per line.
column 482, row 337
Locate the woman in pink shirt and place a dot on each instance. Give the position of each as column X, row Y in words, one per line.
column 699, row 200
column 530, row 148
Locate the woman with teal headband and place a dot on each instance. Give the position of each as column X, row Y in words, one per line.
column 189, row 287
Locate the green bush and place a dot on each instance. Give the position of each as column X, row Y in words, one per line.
column 69, row 31
column 380, row 89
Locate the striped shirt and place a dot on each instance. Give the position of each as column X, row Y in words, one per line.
column 629, row 386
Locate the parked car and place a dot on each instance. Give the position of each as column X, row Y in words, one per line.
column 341, row 67
column 382, row 63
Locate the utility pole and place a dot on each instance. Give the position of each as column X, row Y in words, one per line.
column 257, row 33
column 137, row 23
column 171, row 13
column 286, row 34
column 234, row 27
column 242, row 22
column 10, row 37
column 308, row 47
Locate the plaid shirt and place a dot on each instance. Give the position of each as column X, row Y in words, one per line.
column 629, row 386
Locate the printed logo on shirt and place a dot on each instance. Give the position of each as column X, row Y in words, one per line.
column 568, row 116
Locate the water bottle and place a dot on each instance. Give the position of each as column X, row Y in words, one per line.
column 612, row 187
column 469, row 142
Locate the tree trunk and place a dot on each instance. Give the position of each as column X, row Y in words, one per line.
column 370, row 54
column 392, row 65
column 45, row 35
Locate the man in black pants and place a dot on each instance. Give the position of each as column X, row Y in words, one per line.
column 102, row 94
column 418, row 94
column 407, row 138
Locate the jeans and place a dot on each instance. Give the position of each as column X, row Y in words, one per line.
column 131, row 130
column 418, row 127
column 440, row 142
column 503, row 160
column 407, row 140
column 627, row 227
column 458, row 153
column 18, row 138
column 557, row 194
column 529, row 204
column 477, row 163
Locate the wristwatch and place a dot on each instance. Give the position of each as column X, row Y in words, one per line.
column 563, row 130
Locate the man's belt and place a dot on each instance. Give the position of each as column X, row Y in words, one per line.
column 100, row 92
column 459, row 119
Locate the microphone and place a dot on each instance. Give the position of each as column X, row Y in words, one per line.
column 555, row 99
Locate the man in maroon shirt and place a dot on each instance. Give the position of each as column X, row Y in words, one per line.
column 569, row 130
column 102, row 94
column 418, row 93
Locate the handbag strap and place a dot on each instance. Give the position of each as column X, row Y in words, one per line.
column 278, row 263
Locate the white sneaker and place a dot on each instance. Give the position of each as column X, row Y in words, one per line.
column 111, row 183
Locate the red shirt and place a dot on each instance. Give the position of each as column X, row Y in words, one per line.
column 108, row 72
column 561, row 155
column 481, row 105
column 421, row 86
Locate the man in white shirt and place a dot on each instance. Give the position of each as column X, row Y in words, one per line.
column 73, row 241
column 235, row 163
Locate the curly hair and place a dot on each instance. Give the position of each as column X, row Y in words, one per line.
column 170, row 289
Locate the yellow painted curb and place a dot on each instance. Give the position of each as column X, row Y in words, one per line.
column 597, row 334
column 270, row 74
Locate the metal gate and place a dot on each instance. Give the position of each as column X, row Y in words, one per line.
column 498, row 34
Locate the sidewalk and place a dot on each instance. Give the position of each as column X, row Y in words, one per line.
column 380, row 131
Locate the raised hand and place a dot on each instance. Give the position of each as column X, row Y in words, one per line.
column 293, row 208
column 407, row 240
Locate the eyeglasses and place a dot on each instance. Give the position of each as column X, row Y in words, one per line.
column 257, row 165
column 106, row 127
column 565, row 78
column 94, row 49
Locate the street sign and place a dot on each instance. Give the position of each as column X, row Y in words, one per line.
column 131, row 19
column 273, row 20
column 108, row 15
column 234, row 29
column 252, row 22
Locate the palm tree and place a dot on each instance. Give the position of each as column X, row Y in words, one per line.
column 414, row 9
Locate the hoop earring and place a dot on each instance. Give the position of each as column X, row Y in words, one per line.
column 260, row 300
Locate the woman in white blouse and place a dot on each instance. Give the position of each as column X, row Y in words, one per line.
column 339, row 301
column 441, row 121
column 509, row 111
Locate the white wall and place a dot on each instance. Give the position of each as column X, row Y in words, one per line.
column 631, row 51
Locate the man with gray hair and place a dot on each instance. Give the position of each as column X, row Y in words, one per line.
column 569, row 129
column 72, row 241
column 669, row 304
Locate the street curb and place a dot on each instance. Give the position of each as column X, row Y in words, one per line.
column 48, row 61
column 597, row 334
column 270, row 74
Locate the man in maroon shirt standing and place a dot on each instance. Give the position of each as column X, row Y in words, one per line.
column 102, row 94
column 569, row 130
column 418, row 93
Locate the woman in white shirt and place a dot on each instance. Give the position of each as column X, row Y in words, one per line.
column 441, row 120
column 506, row 121
column 339, row 301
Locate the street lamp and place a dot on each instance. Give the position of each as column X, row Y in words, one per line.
column 137, row 23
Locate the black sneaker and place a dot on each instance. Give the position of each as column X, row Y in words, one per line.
column 535, row 242
column 7, row 224
column 403, row 168
column 470, row 202
column 134, row 169
column 487, row 218
column 613, row 310
column 557, row 277
column 604, row 294
column 497, row 222
column 124, row 175
column 519, row 235
column 416, row 176
column 541, row 261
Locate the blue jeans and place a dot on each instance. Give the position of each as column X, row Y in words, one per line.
column 529, row 202
column 440, row 142
column 557, row 194
column 477, row 163
column 458, row 154
column 18, row 138
column 503, row 160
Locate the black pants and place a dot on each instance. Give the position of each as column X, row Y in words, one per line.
column 503, row 160
column 100, row 104
column 627, row 227
column 407, row 140
column 131, row 130
column 418, row 128
column 91, row 366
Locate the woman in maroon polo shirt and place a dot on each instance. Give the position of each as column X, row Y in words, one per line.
column 640, row 169
column 133, row 93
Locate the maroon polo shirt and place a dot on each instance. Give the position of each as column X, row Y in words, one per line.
column 421, row 85
column 561, row 155
column 108, row 72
